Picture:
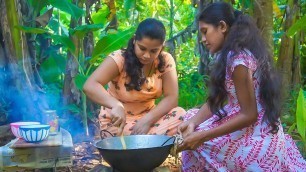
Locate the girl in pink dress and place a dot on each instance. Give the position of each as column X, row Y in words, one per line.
column 239, row 127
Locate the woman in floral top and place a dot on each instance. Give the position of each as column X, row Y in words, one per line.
column 136, row 77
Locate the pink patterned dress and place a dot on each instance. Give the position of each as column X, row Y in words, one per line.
column 251, row 149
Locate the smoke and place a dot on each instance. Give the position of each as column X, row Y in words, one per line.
column 20, row 101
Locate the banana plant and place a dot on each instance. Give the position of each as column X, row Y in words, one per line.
column 298, row 129
column 301, row 116
column 298, row 26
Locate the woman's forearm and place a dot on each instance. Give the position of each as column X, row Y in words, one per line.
column 202, row 115
column 162, row 108
column 236, row 123
column 97, row 93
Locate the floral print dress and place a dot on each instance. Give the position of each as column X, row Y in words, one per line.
column 253, row 148
column 138, row 103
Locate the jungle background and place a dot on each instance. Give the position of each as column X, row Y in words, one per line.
column 49, row 48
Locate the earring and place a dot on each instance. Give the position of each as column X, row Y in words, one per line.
column 134, row 40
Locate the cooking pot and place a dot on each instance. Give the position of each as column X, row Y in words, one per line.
column 143, row 153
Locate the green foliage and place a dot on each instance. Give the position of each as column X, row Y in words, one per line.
column 303, row 62
column 298, row 26
column 80, row 81
column 192, row 90
column 100, row 17
column 248, row 6
column 111, row 42
column 129, row 5
column 64, row 41
column 4, row 110
column 68, row 7
column 73, row 108
column 295, row 125
column 300, row 133
column 301, row 116
column 290, row 105
column 53, row 95
column 32, row 30
column 81, row 31
column 38, row 5
column 50, row 70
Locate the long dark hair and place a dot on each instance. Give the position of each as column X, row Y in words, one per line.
column 243, row 34
column 150, row 28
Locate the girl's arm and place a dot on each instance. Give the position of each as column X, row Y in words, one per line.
column 94, row 89
column 202, row 115
column 243, row 82
column 244, row 86
column 94, row 86
column 188, row 127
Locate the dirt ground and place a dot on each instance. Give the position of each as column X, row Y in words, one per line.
column 86, row 158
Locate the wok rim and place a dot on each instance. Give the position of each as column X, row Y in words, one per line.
column 166, row 144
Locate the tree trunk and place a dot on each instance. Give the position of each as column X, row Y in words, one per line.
column 296, row 69
column 18, row 82
column 263, row 15
column 288, row 61
column 113, row 15
column 203, row 66
column 71, row 94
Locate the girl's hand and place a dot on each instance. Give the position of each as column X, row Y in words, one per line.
column 118, row 117
column 141, row 127
column 193, row 141
column 186, row 128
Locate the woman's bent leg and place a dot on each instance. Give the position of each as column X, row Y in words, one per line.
column 168, row 123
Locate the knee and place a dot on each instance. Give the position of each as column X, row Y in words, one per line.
column 190, row 113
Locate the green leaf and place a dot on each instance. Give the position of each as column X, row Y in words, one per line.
column 38, row 5
column 60, row 60
column 73, row 108
column 301, row 115
column 32, row 29
column 112, row 42
column 68, row 7
column 291, row 128
column 79, row 81
column 50, row 71
column 81, row 31
column 65, row 41
column 44, row 19
column 100, row 17
column 58, row 28
column 129, row 4
column 297, row 26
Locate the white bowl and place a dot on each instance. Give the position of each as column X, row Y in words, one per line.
column 15, row 127
column 34, row 133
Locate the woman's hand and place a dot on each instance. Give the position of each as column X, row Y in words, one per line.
column 141, row 127
column 186, row 128
column 193, row 140
column 118, row 117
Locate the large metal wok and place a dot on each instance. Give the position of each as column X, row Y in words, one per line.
column 143, row 153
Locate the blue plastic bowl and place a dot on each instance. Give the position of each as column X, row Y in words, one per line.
column 34, row 133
